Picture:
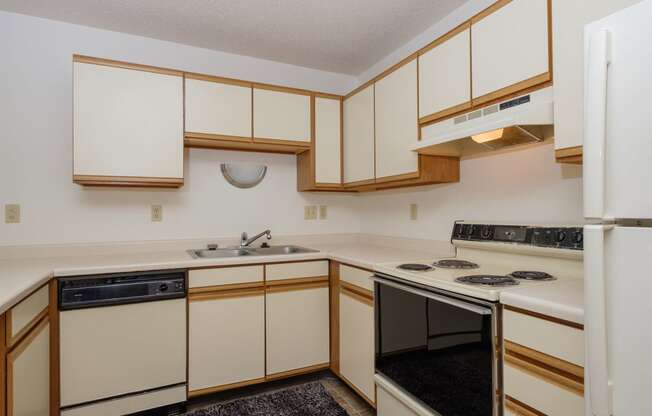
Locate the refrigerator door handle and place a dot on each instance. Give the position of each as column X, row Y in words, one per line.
column 599, row 396
column 595, row 123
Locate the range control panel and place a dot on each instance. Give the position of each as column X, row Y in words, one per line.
column 555, row 237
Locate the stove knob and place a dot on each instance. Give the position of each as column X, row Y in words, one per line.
column 561, row 236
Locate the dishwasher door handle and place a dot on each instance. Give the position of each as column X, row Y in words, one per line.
column 439, row 298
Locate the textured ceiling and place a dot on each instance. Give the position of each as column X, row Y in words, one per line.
column 346, row 36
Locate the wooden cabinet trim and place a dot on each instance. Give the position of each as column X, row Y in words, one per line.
column 455, row 31
column 225, row 288
column 55, row 387
column 334, row 314
column 221, row 137
column 546, row 373
column 572, row 155
column 135, row 181
column 401, row 177
column 299, row 143
column 13, row 355
column 545, row 317
column 217, row 79
column 3, row 352
column 357, row 292
column 358, row 391
column 125, row 65
column 210, row 390
column 520, row 408
column 514, row 88
column 489, row 10
column 296, row 281
column 12, row 341
column 555, row 363
column 296, row 286
column 243, row 146
column 225, row 294
column 444, row 113
column 298, row 371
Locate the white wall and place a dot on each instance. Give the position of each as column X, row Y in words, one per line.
column 36, row 147
column 524, row 186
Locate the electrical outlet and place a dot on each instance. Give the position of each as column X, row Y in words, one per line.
column 310, row 212
column 323, row 212
column 414, row 212
column 157, row 213
column 12, row 213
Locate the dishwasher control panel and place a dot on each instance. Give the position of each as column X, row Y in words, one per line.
column 120, row 288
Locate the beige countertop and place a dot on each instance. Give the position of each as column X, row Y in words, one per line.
column 563, row 299
column 20, row 277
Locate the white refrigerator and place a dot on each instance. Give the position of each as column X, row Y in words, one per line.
column 618, row 206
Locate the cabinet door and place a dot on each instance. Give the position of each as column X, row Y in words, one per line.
column 297, row 329
column 281, row 115
column 328, row 144
column 218, row 108
column 128, row 125
column 568, row 21
column 359, row 163
column 510, row 49
column 28, row 374
column 357, row 342
column 226, row 340
column 396, row 124
column 445, row 75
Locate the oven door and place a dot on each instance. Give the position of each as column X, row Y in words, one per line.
column 438, row 347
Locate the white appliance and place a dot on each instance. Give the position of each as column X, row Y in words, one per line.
column 618, row 203
column 123, row 343
column 525, row 119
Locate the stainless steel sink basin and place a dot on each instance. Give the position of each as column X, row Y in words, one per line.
column 248, row 251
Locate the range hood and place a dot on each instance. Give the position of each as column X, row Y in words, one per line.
column 522, row 120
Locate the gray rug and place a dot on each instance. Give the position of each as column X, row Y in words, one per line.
column 303, row 400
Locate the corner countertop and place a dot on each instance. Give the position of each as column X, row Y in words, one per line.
column 562, row 299
column 20, row 277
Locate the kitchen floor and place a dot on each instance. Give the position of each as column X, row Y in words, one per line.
column 342, row 393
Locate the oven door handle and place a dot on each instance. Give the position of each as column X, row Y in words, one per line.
column 440, row 298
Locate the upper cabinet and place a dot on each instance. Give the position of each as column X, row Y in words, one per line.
column 359, row 166
column 445, row 75
column 510, row 48
column 128, row 124
column 396, row 123
column 281, row 116
column 568, row 21
column 218, row 108
column 320, row 168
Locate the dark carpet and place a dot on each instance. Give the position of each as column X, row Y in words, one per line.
column 303, row 400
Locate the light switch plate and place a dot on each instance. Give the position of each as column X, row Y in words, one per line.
column 12, row 213
column 414, row 212
column 323, row 212
column 157, row 213
column 310, row 212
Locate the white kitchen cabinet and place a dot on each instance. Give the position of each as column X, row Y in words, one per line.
column 127, row 124
column 28, row 373
column 389, row 404
column 396, row 123
column 328, row 143
column 510, row 48
column 218, row 107
column 226, row 340
column 568, row 21
column 445, row 75
column 357, row 342
column 297, row 328
column 359, row 163
column 281, row 115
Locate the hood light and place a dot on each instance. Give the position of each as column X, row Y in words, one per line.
column 488, row 136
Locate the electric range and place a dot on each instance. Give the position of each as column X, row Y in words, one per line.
column 437, row 325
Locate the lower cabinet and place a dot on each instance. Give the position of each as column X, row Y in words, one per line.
column 28, row 373
column 297, row 328
column 227, row 340
column 389, row 405
column 357, row 342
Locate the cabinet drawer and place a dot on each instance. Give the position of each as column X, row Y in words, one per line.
column 299, row 270
column 26, row 314
column 540, row 394
column 225, row 276
column 544, row 336
column 355, row 276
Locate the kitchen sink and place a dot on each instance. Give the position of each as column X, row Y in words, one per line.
column 206, row 253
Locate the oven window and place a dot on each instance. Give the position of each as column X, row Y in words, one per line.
column 439, row 353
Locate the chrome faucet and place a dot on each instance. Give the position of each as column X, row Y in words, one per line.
column 245, row 241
